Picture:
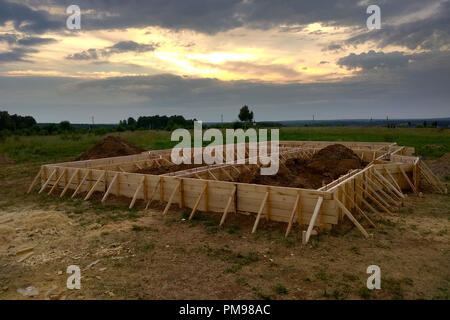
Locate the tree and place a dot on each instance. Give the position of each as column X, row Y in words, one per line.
column 245, row 115
column 65, row 125
column 131, row 121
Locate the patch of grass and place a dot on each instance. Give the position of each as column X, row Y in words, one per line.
column 138, row 228
column 365, row 293
column 236, row 259
column 280, row 289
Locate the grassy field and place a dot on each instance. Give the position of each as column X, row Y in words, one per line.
column 429, row 142
column 141, row 254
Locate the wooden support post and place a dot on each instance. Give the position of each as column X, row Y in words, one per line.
column 95, row 186
column 110, row 187
column 181, row 194
column 55, row 185
column 360, row 211
column 157, row 185
column 225, row 172
column 352, row 218
column 212, row 175
column 174, row 192
column 35, row 180
column 312, row 222
column 48, row 180
column 227, row 207
column 386, row 196
column 294, row 211
column 390, row 185
column 390, row 191
column 80, row 184
column 69, row 183
column 261, row 208
column 393, row 179
column 197, row 202
column 407, row 179
column 378, row 203
column 136, row 193
column 368, row 205
column 374, row 192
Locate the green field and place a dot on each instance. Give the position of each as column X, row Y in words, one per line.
column 429, row 142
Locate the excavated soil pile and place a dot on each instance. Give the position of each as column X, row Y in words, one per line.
column 111, row 146
column 441, row 166
column 5, row 160
column 166, row 168
column 325, row 166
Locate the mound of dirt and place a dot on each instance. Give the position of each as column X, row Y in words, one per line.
column 325, row 166
column 441, row 166
column 111, row 146
column 5, row 160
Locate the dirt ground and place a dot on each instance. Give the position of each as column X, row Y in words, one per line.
column 325, row 166
column 110, row 146
column 133, row 254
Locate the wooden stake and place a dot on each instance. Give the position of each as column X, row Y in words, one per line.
column 359, row 209
column 35, row 180
column 197, row 202
column 158, row 184
column 261, row 208
column 48, row 180
column 407, row 179
column 81, row 183
column 110, row 187
column 291, row 219
column 139, row 187
column 174, row 192
column 55, row 185
column 227, row 207
column 352, row 218
column 95, row 186
column 312, row 222
column 69, row 183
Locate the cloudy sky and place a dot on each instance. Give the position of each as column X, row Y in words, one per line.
column 286, row 59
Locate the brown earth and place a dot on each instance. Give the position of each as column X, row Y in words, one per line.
column 4, row 159
column 441, row 166
column 325, row 166
column 140, row 254
column 111, row 146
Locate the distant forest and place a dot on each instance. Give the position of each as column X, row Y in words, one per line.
column 27, row 125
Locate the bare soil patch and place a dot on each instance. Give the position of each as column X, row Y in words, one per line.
column 441, row 166
column 111, row 146
column 325, row 166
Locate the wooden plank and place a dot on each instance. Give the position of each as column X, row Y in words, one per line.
column 261, row 208
column 312, row 222
column 172, row 196
column 227, row 207
column 35, row 180
column 197, row 202
column 75, row 174
column 378, row 203
column 150, row 199
column 390, row 185
column 55, row 185
column 81, row 184
column 352, row 218
column 360, row 211
column 392, row 179
column 291, row 219
column 114, row 179
column 95, row 186
column 139, row 187
column 407, row 179
column 48, row 180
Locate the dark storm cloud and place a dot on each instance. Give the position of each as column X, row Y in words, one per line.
column 119, row 47
column 431, row 33
column 26, row 19
column 16, row 54
column 34, row 41
column 373, row 60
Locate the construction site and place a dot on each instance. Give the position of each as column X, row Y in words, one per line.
column 319, row 185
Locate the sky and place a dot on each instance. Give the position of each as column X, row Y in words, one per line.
column 204, row 59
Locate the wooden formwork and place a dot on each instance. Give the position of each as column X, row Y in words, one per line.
column 378, row 188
